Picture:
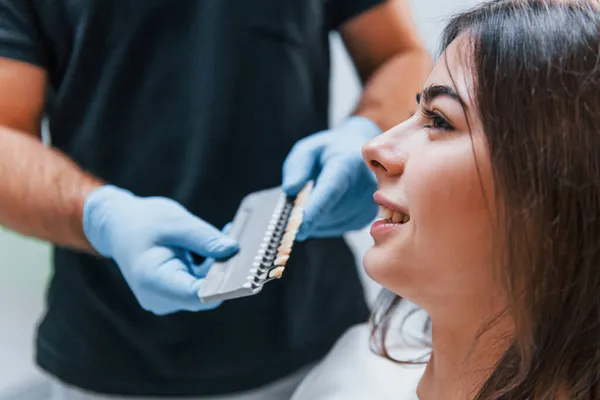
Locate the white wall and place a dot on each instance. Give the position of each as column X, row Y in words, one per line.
column 24, row 263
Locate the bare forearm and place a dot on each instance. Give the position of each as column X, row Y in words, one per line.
column 389, row 94
column 42, row 192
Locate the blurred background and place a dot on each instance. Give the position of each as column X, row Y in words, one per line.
column 24, row 262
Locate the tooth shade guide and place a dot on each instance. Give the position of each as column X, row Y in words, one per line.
column 291, row 229
column 265, row 225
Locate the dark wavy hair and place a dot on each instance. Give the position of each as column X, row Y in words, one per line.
column 536, row 72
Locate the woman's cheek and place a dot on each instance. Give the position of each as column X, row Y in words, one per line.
column 450, row 203
column 426, row 190
column 444, row 196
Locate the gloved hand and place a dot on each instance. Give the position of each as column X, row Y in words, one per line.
column 150, row 239
column 342, row 199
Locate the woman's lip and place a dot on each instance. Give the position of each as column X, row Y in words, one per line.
column 381, row 228
column 381, row 200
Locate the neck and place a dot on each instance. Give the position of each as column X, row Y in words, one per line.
column 463, row 355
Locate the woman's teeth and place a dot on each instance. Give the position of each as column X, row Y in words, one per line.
column 395, row 217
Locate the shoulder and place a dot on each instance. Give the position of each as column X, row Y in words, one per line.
column 352, row 370
column 341, row 11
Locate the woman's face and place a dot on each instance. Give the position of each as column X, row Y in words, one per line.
column 434, row 173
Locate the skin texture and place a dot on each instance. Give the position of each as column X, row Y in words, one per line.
column 436, row 167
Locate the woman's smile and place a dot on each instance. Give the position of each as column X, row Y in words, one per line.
column 392, row 217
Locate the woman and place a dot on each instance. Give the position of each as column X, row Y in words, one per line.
column 490, row 197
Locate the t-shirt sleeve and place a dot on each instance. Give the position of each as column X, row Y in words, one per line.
column 20, row 33
column 340, row 11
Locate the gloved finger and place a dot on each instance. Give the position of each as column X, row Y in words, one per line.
column 355, row 221
column 355, row 213
column 196, row 306
column 331, row 186
column 200, row 267
column 206, row 306
column 301, row 163
column 329, row 232
column 173, row 287
column 197, row 259
column 227, row 228
column 201, row 270
column 197, row 236
column 356, row 209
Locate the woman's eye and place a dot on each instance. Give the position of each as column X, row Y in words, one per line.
column 436, row 121
column 440, row 123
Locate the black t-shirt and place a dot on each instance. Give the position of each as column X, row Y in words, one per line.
column 200, row 101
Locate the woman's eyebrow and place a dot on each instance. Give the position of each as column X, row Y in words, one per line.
column 433, row 91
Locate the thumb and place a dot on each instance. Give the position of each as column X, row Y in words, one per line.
column 301, row 163
column 227, row 228
column 330, row 188
column 201, row 269
column 200, row 237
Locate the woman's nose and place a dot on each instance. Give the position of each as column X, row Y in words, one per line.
column 383, row 156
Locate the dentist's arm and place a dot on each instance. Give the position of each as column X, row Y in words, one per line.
column 393, row 65
column 42, row 192
column 390, row 59
column 46, row 195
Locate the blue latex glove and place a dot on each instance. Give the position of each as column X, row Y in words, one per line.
column 342, row 199
column 150, row 239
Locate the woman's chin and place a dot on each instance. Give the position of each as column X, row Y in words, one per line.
column 391, row 271
column 377, row 264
